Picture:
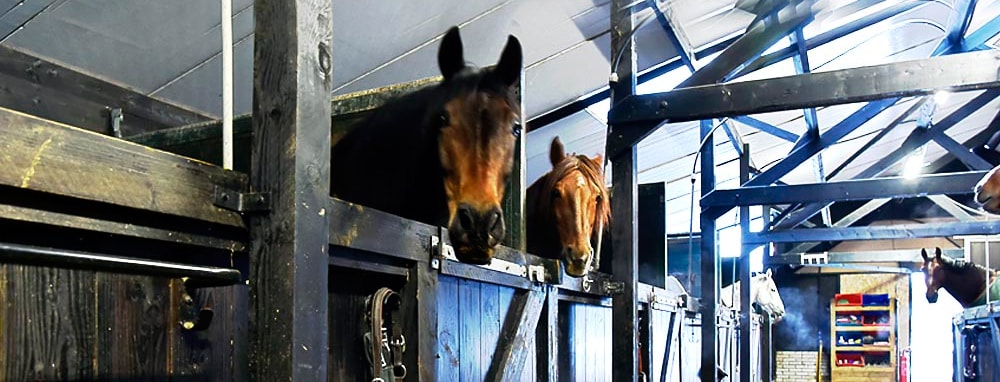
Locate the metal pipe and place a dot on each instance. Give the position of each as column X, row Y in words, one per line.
column 61, row 258
column 227, row 84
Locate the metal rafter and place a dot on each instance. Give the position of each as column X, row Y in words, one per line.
column 958, row 72
column 865, row 189
column 903, row 231
column 917, row 138
column 748, row 47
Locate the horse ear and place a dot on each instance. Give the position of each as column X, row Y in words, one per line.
column 556, row 152
column 450, row 57
column 598, row 160
column 923, row 252
column 937, row 252
column 509, row 67
column 768, row 272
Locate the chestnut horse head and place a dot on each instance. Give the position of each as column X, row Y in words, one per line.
column 568, row 209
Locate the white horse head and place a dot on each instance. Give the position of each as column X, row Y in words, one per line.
column 763, row 292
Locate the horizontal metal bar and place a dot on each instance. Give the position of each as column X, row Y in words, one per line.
column 369, row 266
column 959, row 72
column 903, row 231
column 477, row 273
column 865, row 268
column 61, row 258
column 892, row 187
column 889, row 256
column 58, row 219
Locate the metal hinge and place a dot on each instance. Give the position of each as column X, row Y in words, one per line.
column 242, row 201
column 614, row 287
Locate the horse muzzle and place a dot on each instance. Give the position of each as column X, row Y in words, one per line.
column 932, row 298
column 475, row 233
column 577, row 262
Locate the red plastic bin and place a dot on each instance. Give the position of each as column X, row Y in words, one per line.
column 847, row 299
column 850, row 359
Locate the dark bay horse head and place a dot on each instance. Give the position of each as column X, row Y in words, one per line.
column 965, row 281
column 568, row 209
column 443, row 154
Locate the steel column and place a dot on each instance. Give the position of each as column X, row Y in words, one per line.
column 745, row 249
column 708, row 259
column 624, row 234
column 291, row 160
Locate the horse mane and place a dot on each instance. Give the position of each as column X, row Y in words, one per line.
column 962, row 266
column 593, row 172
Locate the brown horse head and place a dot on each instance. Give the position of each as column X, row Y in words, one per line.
column 575, row 199
column 988, row 191
column 478, row 129
column 964, row 280
column 934, row 273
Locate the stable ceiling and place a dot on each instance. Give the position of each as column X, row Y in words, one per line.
column 171, row 49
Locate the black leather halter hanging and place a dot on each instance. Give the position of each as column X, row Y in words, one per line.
column 384, row 341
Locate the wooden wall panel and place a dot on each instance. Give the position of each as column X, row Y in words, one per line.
column 60, row 324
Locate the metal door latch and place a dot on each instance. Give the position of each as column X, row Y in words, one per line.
column 242, row 201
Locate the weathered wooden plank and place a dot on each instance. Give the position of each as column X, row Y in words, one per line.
column 515, row 339
column 347, row 350
column 46, row 156
column 490, row 320
column 206, row 355
column 291, row 160
column 4, row 309
column 450, row 340
column 547, row 339
column 420, row 307
column 567, row 347
column 59, row 93
column 132, row 327
column 48, row 324
column 470, row 313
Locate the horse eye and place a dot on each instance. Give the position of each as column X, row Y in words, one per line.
column 445, row 119
column 555, row 194
column 600, row 199
column 516, row 128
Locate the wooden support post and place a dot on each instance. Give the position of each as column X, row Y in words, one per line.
column 624, row 233
column 513, row 203
column 518, row 328
column 420, row 310
column 291, row 160
column 547, row 340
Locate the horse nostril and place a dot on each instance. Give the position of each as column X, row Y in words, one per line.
column 979, row 188
column 496, row 226
column 464, row 218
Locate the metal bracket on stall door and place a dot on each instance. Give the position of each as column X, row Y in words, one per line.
column 814, row 258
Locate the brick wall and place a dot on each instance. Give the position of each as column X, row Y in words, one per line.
column 798, row 366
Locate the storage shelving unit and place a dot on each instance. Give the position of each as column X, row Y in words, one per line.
column 863, row 337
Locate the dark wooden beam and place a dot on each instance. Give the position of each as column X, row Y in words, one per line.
column 289, row 327
column 515, row 339
column 53, row 91
column 624, row 203
column 41, row 155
